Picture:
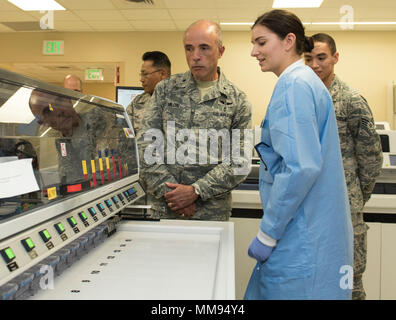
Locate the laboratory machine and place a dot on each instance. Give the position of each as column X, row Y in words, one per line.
column 69, row 178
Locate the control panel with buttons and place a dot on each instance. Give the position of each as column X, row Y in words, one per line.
column 32, row 246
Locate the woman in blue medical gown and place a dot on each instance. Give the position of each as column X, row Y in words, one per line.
column 304, row 244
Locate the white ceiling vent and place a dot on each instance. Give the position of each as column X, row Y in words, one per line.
column 145, row 1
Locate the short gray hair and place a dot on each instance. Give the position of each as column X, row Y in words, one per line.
column 217, row 30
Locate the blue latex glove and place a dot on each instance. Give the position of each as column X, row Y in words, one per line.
column 259, row 250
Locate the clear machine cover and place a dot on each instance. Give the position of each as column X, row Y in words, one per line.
column 56, row 143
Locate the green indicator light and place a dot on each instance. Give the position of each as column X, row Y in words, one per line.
column 83, row 215
column 72, row 221
column 61, row 228
column 46, row 234
column 10, row 254
column 30, row 243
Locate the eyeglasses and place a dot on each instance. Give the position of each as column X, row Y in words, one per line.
column 144, row 75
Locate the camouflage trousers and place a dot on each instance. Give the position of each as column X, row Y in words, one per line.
column 359, row 265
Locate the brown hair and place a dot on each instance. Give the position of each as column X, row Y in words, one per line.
column 324, row 37
column 283, row 22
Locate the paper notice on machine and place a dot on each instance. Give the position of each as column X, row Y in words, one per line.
column 16, row 177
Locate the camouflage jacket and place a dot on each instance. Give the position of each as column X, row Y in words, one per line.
column 176, row 105
column 136, row 108
column 360, row 146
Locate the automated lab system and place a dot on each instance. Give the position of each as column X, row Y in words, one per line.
column 69, row 168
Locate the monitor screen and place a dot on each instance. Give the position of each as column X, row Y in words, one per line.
column 385, row 142
column 392, row 159
column 124, row 95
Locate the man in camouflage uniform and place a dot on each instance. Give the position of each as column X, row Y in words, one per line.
column 360, row 146
column 156, row 67
column 198, row 100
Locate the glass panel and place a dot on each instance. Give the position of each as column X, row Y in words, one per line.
column 75, row 145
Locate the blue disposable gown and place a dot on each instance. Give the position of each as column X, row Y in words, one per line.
column 304, row 195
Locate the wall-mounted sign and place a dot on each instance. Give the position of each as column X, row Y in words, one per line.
column 94, row 74
column 53, row 47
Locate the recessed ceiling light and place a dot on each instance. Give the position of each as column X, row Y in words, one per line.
column 297, row 3
column 37, row 5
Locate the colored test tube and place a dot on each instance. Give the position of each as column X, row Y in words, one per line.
column 101, row 166
column 114, row 165
column 84, row 167
column 107, row 164
column 93, row 172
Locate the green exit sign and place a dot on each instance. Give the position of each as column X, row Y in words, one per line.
column 53, row 47
column 94, row 74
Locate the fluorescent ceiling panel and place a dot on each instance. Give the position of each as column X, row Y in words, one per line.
column 37, row 5
column 297, row 3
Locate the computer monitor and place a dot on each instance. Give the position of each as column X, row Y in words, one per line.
column 125, row 94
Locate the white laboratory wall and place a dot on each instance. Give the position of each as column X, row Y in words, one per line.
column 370, row 52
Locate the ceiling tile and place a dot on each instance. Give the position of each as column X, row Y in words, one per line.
column 182, row 25
column 7, row 16
column 146, row 14
column 128, row 28
column 101, row 15
column 87, row 4
column 108, row 23
column 58, row 15
column 72, row 26
column 123, row 4
column 183, row 4
column 245, row 4
column 7, row 6
column 195, row 14
column 238, row 15
column 184, row 12
column 161, row 25
column 119, row 25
